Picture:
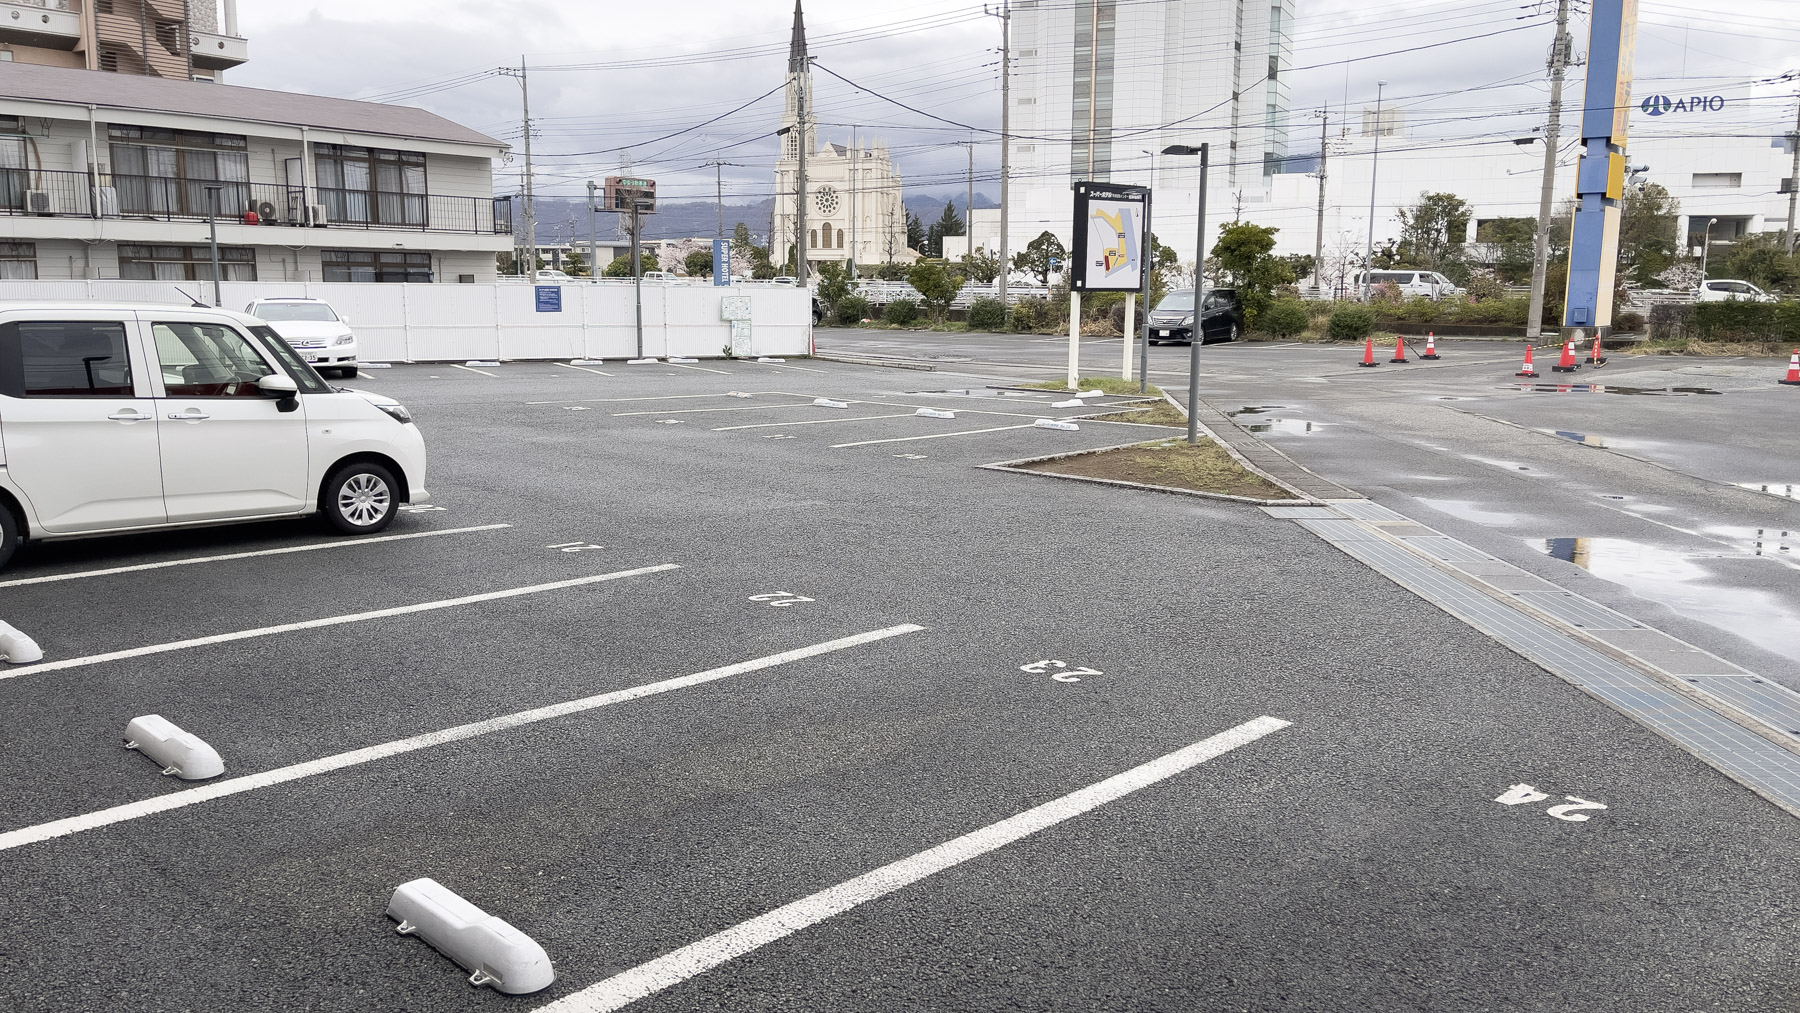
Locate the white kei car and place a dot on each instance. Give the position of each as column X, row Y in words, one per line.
column 133, row 417
column 313, row 329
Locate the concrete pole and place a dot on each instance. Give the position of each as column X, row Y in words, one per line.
column 1319, row 230
column 1540, row 258
column 855, row 174
column 1374, row 164
column 1006, row 137
column 800, row 188
column 593, row 244
column 1793, row 180
column 530, row 214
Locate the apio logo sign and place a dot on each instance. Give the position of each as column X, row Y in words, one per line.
column 1660, row 105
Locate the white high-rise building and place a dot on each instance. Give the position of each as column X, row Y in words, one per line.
column 1181, row 72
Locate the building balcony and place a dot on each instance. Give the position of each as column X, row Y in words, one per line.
column 213, row 51
column 45, row 24
column 56, row 194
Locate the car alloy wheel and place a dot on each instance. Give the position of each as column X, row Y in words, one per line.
column 360, row 498
column 364, row 499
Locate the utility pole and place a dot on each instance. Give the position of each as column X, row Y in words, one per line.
column 1374, row 164
column 969, row 208
column 529, row 269
column 1006, row 139
column 1793, row 180
column 719, row 195
column 593, row 244
column 800, row 178
column 855, row 175
column 1319, row 231
column 1540, row 257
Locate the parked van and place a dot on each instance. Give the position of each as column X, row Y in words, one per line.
column 133, row 417
column 1429, row 284
column 1730, row 290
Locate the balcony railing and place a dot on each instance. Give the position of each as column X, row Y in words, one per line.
column 52, row 193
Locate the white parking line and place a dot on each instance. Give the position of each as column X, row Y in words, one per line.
column 645, row 980
column 246, row 555
column 702, row 369
column 933, row 436
column 811, row 422
column 313, row 624
column 472, row 369
column 702, row 411
column 784, row 365
column 281, row 775
column 658, row 397
column 584, row 369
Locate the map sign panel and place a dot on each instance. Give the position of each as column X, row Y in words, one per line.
column 1111, row 228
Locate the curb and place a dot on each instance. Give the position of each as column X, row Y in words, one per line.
column 1017, row 468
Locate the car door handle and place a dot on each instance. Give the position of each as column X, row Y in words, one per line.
column 189, row 416
column 130, row 417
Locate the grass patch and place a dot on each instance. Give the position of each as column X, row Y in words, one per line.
column 1700, row 346
column 1162, row 413
column 1201, row 467
column 1104, row 384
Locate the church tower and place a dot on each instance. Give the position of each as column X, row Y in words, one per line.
column 799, row 79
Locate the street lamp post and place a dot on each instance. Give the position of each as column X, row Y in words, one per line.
column 212, row 228
column 1706, row 246
column 1196, row 335
column 1374, row 165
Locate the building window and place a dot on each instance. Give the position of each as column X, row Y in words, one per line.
column 18, row 261
column 103, row 6
column 184, row 263
column 165, row 172
column 375, row 265
column 1718, row 180
column 371, row 185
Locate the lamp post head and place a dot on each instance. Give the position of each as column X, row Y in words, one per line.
column 1184, row 149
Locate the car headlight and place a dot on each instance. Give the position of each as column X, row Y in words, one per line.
column 345, row 339
column 1188, row 320
column 397, row 412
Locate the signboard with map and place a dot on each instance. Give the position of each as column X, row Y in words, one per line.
column 1109, row 237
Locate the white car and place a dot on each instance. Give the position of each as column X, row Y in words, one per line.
column 1729, row 289
column 134, row 417
column 313, row 329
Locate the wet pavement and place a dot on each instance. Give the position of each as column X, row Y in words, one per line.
column 1669, row 500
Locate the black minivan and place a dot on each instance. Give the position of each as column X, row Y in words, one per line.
column 1221, row 318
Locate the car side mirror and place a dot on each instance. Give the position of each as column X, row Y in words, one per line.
column 282, row 388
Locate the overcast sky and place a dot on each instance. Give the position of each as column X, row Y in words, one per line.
column 616, row 74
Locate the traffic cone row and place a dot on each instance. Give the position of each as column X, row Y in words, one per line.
column 1793, row 377
column 1526, row 370
column 1430, row 347
column 1368, row 357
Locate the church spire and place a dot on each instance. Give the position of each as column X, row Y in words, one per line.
column 797, row 48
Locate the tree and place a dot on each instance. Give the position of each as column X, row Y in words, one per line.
column 936, row 284
column 1432, row 233
column 743, row 249
column 621, row 266
column 915, row 231
column 948, row 224
column 1246, row 258
column 1647, row 240
column 575, row 265
column 981, row 266
column 1512, row 244
column 698, row 264
column 1762, row 261
column 834, row 284
column 1038, row 255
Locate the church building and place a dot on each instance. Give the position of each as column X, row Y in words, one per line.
column 853, row 197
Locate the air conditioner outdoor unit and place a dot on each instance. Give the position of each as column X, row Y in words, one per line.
column 40, row 202
column 265, row 210
column 109, row 201
column 317, row 213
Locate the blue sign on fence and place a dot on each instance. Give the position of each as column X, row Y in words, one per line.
column 549, row 298
column 721, row 262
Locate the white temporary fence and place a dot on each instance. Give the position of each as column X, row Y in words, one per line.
column 443, row 322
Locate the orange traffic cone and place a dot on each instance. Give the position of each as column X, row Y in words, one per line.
column 1399, row 350
column 1526, row 369
column 1369, row 353
column 1793, row 377
column 1595, row 357
column 1430, row 347
column 1567, row 363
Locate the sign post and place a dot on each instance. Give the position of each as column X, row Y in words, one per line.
column 721, row 262
column 1111, row 236
column 637, row 197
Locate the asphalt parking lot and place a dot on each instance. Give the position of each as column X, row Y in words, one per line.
column 802, row 643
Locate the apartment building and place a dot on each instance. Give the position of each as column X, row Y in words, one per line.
column 1101, row 84
column 114, row 176
column 173, row 39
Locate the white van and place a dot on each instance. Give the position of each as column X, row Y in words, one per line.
column 1429, row 284
column 119, row 418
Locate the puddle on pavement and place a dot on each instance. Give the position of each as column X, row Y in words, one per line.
column 1470, row 510
column 1602, row 388
column 1675, row 579
column 1257, row 409
column 1786, row 490
column 1759, row 541
column 1506, row 465
column 1585, row 439
column 1291, row 426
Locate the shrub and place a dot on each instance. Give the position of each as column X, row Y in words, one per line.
column 1484, row 285
column 1387, row 293
column 1285, row 319
column 1026, row 313
column 1419, row 310
column 1671, row 321
column 987, row 315
column 1629, row 322
column 851, row 310
column 1746, row 321
column 900, row 312
column 1351, row 322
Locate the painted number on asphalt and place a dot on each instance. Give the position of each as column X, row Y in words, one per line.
column 574, row 546
column 778, row 436
column 1058, row 670
column 780, row 599
column 419, row 508
column 1520, row 794
column 911, row 457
